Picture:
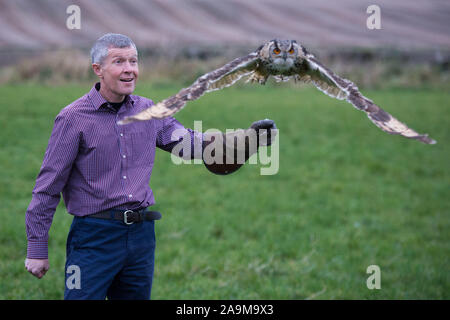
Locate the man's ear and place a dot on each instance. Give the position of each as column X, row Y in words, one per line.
column 97, row 69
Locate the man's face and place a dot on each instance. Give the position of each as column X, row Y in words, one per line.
column 118, row 73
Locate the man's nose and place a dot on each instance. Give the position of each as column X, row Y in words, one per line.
column 128, row 67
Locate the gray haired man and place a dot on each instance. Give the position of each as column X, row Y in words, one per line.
column 103, row 171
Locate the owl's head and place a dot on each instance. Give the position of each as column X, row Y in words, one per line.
column 282, row 53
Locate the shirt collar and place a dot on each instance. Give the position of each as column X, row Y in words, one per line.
column 98, row 100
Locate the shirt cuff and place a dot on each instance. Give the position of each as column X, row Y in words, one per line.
column 37, row 250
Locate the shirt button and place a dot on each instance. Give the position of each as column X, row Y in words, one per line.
column 121, row 134
column 124, row 177
column 124, row 156
column 130, row 196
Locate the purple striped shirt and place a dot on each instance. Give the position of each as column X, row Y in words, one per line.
column 97, row 164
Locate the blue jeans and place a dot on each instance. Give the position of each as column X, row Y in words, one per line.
column 107, row 258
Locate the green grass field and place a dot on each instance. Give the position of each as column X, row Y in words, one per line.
column 346, row 196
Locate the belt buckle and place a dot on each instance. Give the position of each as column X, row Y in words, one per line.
column 125, row 217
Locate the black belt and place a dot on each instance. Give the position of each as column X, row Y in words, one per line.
column 127, row 216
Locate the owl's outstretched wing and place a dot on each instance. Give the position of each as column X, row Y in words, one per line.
column 333, row 85
column 220, row 78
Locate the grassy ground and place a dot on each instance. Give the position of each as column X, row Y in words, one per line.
column 346, row 196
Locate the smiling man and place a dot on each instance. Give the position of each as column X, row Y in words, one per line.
column 118, row 72
column 103, row 171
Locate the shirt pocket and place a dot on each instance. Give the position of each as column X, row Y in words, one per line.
column 99, row 152
column 143, row 144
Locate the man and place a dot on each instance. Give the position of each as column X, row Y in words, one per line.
column 103, row 171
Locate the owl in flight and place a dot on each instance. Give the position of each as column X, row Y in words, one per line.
column 284, row 60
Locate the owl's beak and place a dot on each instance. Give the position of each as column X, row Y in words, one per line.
column 284, row 56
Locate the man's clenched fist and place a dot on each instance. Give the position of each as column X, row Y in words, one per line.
column 268, row 128
column 37, row 267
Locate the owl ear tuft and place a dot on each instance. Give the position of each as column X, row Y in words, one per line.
column 275, row 42
column 305, row 52
column 260, row 47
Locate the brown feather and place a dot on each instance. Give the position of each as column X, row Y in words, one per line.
column 220, row 78
column 341, row 88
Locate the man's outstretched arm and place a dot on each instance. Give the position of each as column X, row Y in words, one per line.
column 222, row 153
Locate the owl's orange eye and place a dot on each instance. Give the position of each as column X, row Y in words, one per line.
column 276, row 51
column 291, row 51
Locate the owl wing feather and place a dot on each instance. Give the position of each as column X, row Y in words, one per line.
column 220, row 78
column 340, row 88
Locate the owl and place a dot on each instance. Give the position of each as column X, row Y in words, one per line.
column 283, row 60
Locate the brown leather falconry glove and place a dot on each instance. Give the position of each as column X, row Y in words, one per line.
column 224, row 153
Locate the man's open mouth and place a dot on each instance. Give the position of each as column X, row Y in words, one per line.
column 127, row 80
